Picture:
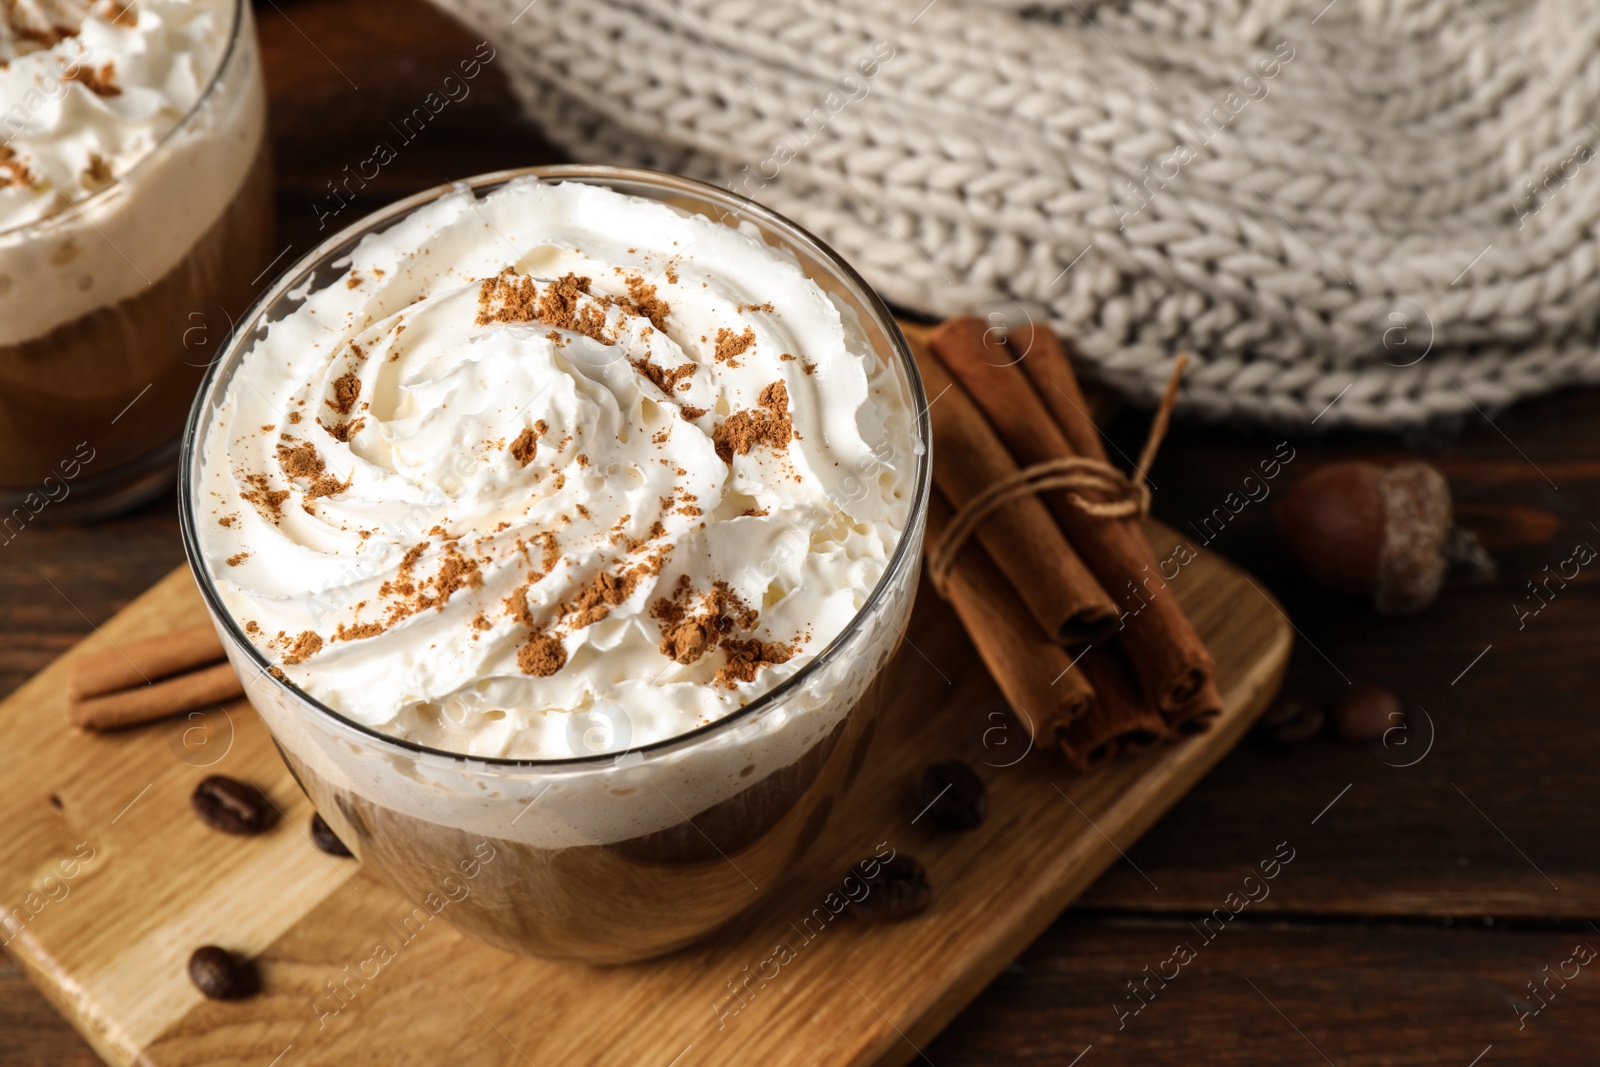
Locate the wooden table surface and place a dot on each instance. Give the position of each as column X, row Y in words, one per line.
column 1422, row 900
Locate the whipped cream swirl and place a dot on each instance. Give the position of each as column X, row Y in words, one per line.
column 87, row 90
column 123, row 137
column 553, row 472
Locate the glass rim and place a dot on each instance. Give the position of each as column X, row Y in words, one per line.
column 241, row 9
column 243, row 333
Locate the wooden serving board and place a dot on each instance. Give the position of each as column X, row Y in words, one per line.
column 108, row 882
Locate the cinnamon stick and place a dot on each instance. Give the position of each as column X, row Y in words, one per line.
column 1020, row 537
column 1043, row 358
column 146, row 703
column 1170, row 661
column 147, row 659
column 1035, row 674
column 1197, row 716
column 1122, row 720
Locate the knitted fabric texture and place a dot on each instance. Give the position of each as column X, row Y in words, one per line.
column 1386, row 206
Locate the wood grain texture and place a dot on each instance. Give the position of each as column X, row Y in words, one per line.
column 1282, row 993
column 107, row 883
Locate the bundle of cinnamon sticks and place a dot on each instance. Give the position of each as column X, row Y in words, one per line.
column 1058, row 587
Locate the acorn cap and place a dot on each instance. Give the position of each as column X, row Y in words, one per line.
column 1415, row 503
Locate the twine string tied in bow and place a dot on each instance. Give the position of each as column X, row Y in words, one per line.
column 1092, row 486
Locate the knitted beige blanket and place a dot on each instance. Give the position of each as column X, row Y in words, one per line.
column 1360, row 212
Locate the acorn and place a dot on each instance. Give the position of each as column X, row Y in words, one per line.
column 1387, row 532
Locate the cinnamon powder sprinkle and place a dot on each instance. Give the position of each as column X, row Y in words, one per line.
column 768, row 425
column 343, row 431
column 99, row 82
column 516, row 604
column 594, row 601
column 13, row 171
column 730, row 345
column 308, row 644
column 552, row 552
column 507, row 297
column 694, row 625
column 301, row 461
column 526, row 446
column 687, row 634
column 688, row 641
column 346, row 391
column 510, row 297
column 97, row 173
column 237, row 558
column 27, row 24
column 668, row 381
column 648, row 304
column 456, row 571
column 541, row 656
column 358, row 631
column 113, row 11
column 269, row 502
column 746, row 659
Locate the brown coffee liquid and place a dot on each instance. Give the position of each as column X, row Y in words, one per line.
column 617, row 902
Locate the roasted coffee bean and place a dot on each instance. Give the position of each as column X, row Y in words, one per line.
column 952, row 795
column 899, row 890
column 220, row 975
column 1292, row 720
column 323, row 837
column 232, row 806
column 1366, row 712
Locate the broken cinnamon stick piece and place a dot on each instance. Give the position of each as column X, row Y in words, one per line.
column 1170, row 662
column 1035, row 674
column 1020, row 537
column 147, row 703
column 145, row 660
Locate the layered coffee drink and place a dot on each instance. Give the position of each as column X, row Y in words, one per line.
column 561, row 536
column 135, row 214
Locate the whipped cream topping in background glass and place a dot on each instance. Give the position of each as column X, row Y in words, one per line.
column 110, row 168
column 553, row 472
